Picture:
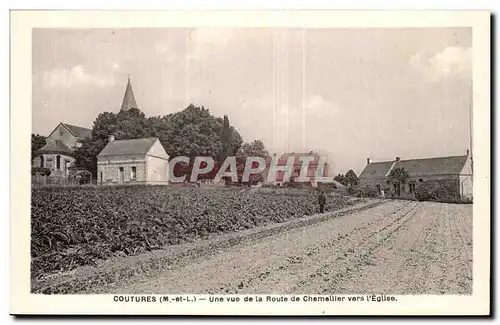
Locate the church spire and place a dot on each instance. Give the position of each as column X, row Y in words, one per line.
column 128, row 98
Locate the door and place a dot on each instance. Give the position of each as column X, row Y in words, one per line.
column 397, row 189
column 121, row 175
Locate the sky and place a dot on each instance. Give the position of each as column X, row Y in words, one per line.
column 348, row 94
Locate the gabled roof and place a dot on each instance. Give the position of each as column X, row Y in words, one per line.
column 128, row 147
column 433, row 166
column 78, row 131
column 55, row 146
column 128, row 98
column 376, row 169
column 417, row 167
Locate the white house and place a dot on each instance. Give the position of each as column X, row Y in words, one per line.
column 133, row 161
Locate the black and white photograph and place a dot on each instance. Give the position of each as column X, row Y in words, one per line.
column 228, row 164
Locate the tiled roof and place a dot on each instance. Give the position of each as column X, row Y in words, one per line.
column 417, row 167
column 376, row 169
column 433, row 166
column 79, row 131
column 130, row 147
column 55, row 146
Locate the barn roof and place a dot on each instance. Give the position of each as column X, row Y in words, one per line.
column 376, row 169
column 417, row 167
column 128, row 147
column 433, row 166
column 79, row 131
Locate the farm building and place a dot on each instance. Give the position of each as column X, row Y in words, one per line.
column 133, row 161
column 56, row 159
column 454, row 170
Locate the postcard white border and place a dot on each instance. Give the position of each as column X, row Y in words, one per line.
column 22, row 22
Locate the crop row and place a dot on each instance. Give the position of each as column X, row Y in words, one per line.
column 79, row 226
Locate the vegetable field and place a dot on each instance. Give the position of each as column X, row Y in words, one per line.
column 71, row 227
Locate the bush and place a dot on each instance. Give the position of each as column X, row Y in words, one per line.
column 354, row 191
column 444, row 191
column 425, row 191
column 369, row 191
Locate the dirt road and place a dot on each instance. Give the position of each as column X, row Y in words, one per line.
column 400, row 247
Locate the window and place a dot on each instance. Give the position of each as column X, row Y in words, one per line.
column 412, row 187
column 102, row 179
column 49, row 162
column 58, row 162
column 133, row 172
column 41, row 161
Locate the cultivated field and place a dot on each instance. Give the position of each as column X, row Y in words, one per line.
column 399, row 247
column 80, row 226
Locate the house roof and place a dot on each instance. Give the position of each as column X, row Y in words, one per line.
column 376, row 169
column 433, row 166
column 55, row 146
column 78, row 131
column 417, row 167
column 128, row 147
column 128, row 98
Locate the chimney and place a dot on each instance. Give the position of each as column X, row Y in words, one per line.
column 398, row 158
column 111, row 138
column 468, row 152
column 368, row 161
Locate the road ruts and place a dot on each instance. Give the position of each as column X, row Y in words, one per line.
column 430, row 254
column 400, row 247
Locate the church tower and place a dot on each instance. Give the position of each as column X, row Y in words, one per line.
column 128, row 98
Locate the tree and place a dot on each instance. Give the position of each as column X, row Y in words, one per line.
column 195, row 132
column 351, row 178
column 131, row 124
column 255, row 148
column 340, row 178
column 399, row 176
column 37, row 142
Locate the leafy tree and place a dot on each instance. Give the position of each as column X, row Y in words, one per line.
column 37, row 142
column 124, row 125
column 255, row 148
column 340, row 178
column 398, row 175
column 351, row 178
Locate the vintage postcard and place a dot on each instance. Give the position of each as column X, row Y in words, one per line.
column 250, row 163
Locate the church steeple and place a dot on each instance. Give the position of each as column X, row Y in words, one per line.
column 128, row 98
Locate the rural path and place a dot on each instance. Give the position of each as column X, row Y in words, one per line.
column 399, row 247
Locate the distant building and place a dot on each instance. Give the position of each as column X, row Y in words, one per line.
column 56, row 158
column 133, row 161
column 455, row 170
column 129, row 98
